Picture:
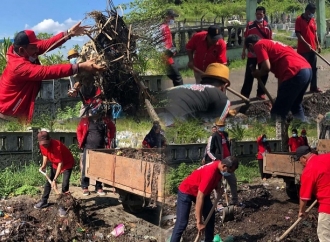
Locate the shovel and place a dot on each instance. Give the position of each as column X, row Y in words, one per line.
column 321, row 57
column 44, row 173
column 295, row 223
column 198, row 237
column 263, row 87
column 228, row 211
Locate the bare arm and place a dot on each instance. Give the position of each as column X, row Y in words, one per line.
column 58, row 171
column 299, row 36
column 302, row 207
column 44, row 163
column 199, row 207
column 265, row 68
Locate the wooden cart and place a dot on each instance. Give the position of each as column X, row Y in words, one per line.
column 283, row 165
column 139, row 183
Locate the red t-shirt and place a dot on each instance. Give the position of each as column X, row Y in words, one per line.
column 203, row 56
column 225, row 148
column 252, row 28
column 285, row 63
column 167, row 38
column 56, row 153
column 294, row 143
column 261, row 148
column 315, row 179
column 204, row 179
column 307, row 29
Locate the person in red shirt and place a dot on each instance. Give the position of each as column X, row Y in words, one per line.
column 62, row 163
column 170, row 50
column 197, row 188
column 303, row 137
column 308, row 41
column 205, row 48
column 293, row 72
column 294, row 141
column 95, row 131
column 154, row 139
column 263, row 147
column 21, row 80
column 315, row 181
column 261, row 28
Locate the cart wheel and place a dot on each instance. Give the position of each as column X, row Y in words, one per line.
column 133, row 208
column 292, row 190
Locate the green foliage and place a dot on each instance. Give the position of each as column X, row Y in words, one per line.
column 26, row 190
column 237, row 132
column 247, row 171
column 19, row 179
column 176, row 175
column 45, row 121
column 11, row 126
column 4, row 46
column 186, row 132
column 68, row 112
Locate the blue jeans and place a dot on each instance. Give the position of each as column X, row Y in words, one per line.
column 183, row 207
column 290, row 95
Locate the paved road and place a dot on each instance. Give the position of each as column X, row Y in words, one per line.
column 237, row 78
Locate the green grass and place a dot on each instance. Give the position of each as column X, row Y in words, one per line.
column 247, row 171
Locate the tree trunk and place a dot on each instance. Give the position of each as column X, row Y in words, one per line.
column 151, row 111
column 282, row 130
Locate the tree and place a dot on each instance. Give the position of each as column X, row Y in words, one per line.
column 4, row 46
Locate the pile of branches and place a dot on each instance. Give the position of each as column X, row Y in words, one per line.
column 112, row 44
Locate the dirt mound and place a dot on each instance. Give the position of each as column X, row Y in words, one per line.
column 318, row 103
column 264, row 214
column 150, row 155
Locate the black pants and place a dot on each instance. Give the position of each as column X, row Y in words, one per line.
column 248, row 79
column 65, row 183
column 312, row 59
column 84, row 179
column 261, row 169
column 174, row 74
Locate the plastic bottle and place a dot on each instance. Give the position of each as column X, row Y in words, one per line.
column 217, row 238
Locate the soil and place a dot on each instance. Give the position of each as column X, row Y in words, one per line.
column 91, row 218
column 265, row 213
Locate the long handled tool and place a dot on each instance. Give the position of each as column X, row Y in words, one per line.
column 44, row 173
column 321, row 57
column 198, row 237
column 246, row 100
column 263, row 87
column 295, row 223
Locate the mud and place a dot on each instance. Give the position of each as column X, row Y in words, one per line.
column 264, row 214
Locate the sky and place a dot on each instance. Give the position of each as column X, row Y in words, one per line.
column 50, row 16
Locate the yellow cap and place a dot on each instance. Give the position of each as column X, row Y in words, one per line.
column 217, row 71
column 72, row 52
column 219, row 122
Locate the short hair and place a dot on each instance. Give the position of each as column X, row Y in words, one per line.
column 294, row 131
column 214, row 127
column 251, row 39
column 16, row 47
column 261, row 8
column 310, row 7
column 230, row 162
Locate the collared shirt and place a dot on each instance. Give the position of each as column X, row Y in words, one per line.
column 307, row 29
column 204, row 55
column 285, row 62
column 252, row 28
column 167, row 40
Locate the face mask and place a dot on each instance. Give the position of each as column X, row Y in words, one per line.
column 221, row 129
column 73, row 60
column 303, row 135
column 294, row 135
column 171, row 22
column 311, row 15
column 225, row 173
column 260, row 20
column 264, row 140
column 31, row 59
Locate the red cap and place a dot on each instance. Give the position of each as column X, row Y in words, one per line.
column 26, row 37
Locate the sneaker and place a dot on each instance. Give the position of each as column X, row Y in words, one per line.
column 100, row 192
column 261, row 97
column 316, row 90
column 41, row 205
column 61, row 212
column 85, row 192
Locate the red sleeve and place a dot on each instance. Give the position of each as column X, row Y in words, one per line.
column 145, row 143
column 261, row 52
column 270, row 34
column 259, row 140
column 297, row 27
column 80, row 131
column 290, row 142
column 42, row 150
column 307, row 184
column 166, row 32
column 206, row 180
column 222, row 52
column 111, row 130
column 43, row 45
column 57, row 152
column 246, row 33
column 191, row 45
column 32, row 72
